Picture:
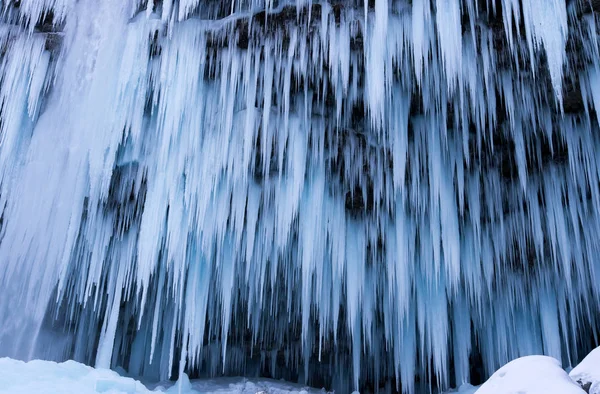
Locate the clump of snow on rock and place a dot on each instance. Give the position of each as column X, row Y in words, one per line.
column 70, row 377
column 531, row 375
column 587, row 373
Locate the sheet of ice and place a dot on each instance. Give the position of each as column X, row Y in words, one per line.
column 531, row 375
column 70, row 377
column 588, row 372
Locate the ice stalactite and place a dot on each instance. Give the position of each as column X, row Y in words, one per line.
column 386, row 195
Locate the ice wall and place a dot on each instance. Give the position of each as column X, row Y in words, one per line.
column 387, row 195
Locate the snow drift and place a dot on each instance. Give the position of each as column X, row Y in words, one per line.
column 531, row 375
column 587, row 373
column 46, row 377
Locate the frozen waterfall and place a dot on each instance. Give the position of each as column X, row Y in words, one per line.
column 388, row 195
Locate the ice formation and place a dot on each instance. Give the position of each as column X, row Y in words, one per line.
column 380, row 195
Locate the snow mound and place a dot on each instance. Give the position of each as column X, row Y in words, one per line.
column 18, row 377
column 70, row 377
column 587, row 373
column 531, row 375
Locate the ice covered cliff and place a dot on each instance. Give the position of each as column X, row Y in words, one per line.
column 386, row 194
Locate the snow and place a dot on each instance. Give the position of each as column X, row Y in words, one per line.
column 70, row 377
column 530, row 375
column 525, row 375
column 588, row 372
column 37, row 376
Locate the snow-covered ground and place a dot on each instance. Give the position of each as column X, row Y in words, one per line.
column 587, row 373
column 46, row 377
column 531, row 375
column 526, row 375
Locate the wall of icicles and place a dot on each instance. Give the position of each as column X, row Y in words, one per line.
column 392, row 195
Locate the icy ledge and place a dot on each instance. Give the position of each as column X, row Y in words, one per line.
column 70, row 377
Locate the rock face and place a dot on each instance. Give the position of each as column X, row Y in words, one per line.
column 530, row 375
column 587, row 373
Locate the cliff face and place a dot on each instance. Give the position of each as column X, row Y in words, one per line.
column 389, row 195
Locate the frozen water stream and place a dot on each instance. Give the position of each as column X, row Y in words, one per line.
column 394, row 195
